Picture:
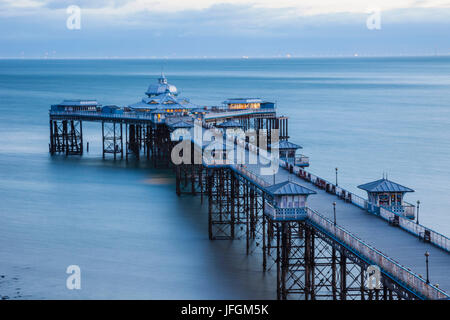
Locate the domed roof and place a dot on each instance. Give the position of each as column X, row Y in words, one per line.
column 161, row 88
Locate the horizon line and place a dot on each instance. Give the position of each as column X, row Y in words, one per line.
column 356, row 55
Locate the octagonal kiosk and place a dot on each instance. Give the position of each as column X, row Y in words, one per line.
column 388, row 194
column 287, row 201
column 288, row 152
column 229, row 127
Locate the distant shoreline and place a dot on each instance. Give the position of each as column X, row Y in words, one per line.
column 234, row 58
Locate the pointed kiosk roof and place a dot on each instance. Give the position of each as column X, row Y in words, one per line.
column 384, row 185
column 289, row 188
column 283, row 145
column 229, row 124
column 181, row 124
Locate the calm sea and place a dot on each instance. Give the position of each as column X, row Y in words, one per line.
column 122, row 223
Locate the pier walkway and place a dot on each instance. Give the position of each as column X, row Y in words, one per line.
column 396, row 243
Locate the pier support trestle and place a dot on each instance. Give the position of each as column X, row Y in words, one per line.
column 112, row 140
column 66, row 136
column 309, row 263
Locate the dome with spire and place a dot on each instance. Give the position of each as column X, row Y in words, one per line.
column 163, row 87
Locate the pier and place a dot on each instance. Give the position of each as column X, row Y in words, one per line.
column 322, row 241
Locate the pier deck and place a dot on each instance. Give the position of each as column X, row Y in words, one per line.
column 405, row 248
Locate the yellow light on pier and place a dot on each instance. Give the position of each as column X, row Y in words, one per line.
column 253, row 105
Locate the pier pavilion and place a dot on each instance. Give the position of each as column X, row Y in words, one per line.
column 247, row 103
column 288, row 200
column 389, row 194
column 288, row 153
column 163, row 101
column 76, row 105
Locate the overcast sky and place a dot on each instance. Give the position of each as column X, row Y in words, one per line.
column 224, row 28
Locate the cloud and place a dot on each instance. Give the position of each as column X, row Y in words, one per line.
column 294, row 7
column 220, row 28
column 224, row 15
column 21, row 4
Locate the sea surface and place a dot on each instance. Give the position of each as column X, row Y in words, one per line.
column 122, row 222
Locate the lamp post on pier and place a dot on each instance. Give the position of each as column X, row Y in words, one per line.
column 334, row 212
column 336, row 176
column 418, row 203
column 426, row 261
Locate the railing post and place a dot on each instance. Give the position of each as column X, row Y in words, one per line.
column 418, row 203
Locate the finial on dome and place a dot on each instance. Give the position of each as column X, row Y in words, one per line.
column 162, row 79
